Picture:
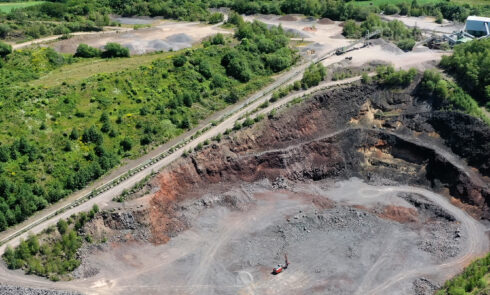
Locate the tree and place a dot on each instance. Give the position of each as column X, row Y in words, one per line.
column 313, row 75
column 3, row 221
column 112, row 50
column 62, row 226
column 406, row 44
column 85, row 51
column 351, row 29
column 126, row 144
column 179, row 60
column 92, row 135
column 5, row 49
column 218, row 39
column 216, row 18
column 74, row 134
column 4, row 30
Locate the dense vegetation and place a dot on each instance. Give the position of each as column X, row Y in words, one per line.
column 63, row 17
column 473, row 280
column 433, row 84
column 470, row 64
column 394, row 30
column 56, row 255
column 387, row 75
column 55, row 140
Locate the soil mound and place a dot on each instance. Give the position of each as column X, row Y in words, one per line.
column 289, row 18
column 325, row 21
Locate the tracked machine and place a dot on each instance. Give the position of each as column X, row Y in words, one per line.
column 280, row 268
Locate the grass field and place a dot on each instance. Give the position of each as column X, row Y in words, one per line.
column 7, row 7
column 84, row 69
column 381, row 2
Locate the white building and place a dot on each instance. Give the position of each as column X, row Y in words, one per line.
column 477, row 26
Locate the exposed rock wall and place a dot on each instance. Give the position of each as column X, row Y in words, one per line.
column 331, row 136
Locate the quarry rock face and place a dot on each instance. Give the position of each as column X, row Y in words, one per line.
column 361, row 131
column 368, row 191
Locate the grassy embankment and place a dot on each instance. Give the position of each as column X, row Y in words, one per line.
column 8, row 6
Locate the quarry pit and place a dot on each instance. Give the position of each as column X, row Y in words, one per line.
column 377, row 196
column 367, row 190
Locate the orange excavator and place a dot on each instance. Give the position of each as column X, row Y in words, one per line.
column 278, row 269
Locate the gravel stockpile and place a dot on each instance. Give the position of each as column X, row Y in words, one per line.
column 13, row 290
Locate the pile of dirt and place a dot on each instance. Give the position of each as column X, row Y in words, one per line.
column 288, row 18
column 325, row 21
column 16, row 290
column 310, row 29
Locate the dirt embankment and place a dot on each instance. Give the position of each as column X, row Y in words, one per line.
column 360, row 131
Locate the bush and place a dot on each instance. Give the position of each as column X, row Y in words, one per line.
column 390, row 9
column 218, row 39
column 406, row 44
column 216, row 18
column 126, row 144
column 5, row 49
column 85, row 51
column 313, row 75
column 351, row 29
column 388, row 76
column 179, row 60
column 365, row 78
column 4, row 30
column 112, row 50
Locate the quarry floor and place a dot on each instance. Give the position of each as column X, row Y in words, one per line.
column 342, row 237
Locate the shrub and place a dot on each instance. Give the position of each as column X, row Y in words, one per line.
column 126, row 144
column 406, row 44
column 218, row 39
column 85, row 51
column 365, row 78
column 112, row 50
column 4, row 30
column 390, row 9
column 5, row 49
column 351, row 29
column 179, row 60
column 216, row 18
column 313, row 75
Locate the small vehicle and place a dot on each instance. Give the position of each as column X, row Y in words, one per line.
column 349, row 58
column 279, row 268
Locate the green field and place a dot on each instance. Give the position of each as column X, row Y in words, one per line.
column 7, row 7
column 78, row 71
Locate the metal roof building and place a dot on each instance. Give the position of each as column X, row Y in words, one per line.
column 477, row 26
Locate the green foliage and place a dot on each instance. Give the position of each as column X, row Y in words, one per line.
column 83, row 50
column 351, row 29
column 406, row 44
column 216, row 18
column 5, row 49
column 365, row 78
column 112, row 50
column 471, row 281
column 313, row 75
column 390, row 77
column 470, row 64
column 218, row 39
column 57, row 255
column 88, row 126
column 434, row 85
column 393, row 30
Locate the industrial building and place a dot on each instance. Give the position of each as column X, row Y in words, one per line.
column 477, row 26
